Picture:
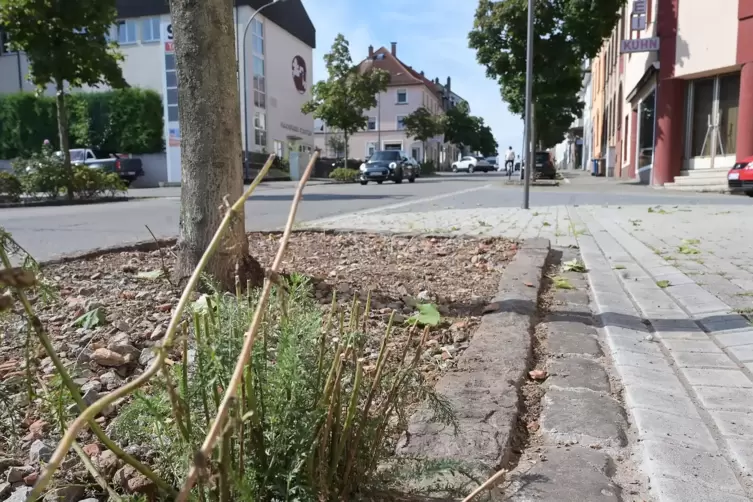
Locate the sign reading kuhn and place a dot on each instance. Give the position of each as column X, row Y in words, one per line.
column 639, row 45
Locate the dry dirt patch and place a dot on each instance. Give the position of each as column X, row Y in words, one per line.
column 133, row 305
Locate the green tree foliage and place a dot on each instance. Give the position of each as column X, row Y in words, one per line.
column 125, row 120
column 487, row 145
column 65, row 42
column 468, row 131
column 566, row 33
column 337, row 143
column 459, row 126
column 341, row 99
column 422, row 125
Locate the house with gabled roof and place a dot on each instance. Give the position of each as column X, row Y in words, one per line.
column 407, row 91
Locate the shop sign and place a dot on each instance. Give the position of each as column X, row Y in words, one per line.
column 639, row 45
column 638, row 23
column 298, row 68
column 639, row 6
column 295, row 128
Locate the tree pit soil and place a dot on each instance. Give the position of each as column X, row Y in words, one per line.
column 459, row 275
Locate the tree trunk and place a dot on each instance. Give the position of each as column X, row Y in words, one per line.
column 345, row 149
column 209, row 111
column 423, row 145
column 63, row 137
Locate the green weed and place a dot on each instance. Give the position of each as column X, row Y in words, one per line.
column 663, row 284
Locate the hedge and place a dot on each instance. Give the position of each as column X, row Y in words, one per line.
column 125, row 120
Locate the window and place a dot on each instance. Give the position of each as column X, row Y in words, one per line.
column 646, row 117
column 729, row 100
column 5, row 41
column 370, row 148
column 625, row 135
column 257, row 38
column 402, row 96
column 171, row 88
column 260, row 88
column 260, row 129
column 371, row 126
column 126, row 32
column 400, row 123
column 150, row 29
column 279, row 149
column 702, row 109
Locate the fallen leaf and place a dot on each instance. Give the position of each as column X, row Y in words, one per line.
column 151, row 275
column 538, row 375
column 529, row 284
column 92, row 319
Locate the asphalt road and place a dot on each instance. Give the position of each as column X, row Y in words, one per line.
column 49, row 232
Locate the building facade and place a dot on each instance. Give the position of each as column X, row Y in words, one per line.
column 677, row 99
column 279, row 49
column 407, row 91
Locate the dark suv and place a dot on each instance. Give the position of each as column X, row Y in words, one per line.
column 388, row 165
column 544, row 167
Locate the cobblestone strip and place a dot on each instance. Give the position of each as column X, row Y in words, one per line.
column 674, row 390
column 582, row 435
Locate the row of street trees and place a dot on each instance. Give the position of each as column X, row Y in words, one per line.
column 341, row 100
column 567, row 33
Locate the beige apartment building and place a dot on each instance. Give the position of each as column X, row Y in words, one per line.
column 407, row 91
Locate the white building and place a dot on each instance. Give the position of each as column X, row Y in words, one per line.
column 279, row 49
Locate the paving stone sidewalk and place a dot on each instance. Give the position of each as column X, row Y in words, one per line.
column 581, row 444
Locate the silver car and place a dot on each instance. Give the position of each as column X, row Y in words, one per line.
column 472, row 164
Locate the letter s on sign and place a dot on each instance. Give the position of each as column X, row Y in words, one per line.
column 170, row 31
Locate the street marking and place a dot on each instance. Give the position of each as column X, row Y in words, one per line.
column 398, row 205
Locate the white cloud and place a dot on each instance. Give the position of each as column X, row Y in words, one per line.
column 432, row 36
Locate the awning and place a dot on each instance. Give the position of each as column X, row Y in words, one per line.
column 647, row 75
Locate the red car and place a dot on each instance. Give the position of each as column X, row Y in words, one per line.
column 740, row 177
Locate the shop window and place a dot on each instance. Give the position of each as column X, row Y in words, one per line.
column 702, row 109
column 646, row 117
column 729, row 100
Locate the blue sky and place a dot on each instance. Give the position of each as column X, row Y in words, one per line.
column 431, row 35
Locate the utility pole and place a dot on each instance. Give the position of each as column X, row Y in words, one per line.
column 529, row 146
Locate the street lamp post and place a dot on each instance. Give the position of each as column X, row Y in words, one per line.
column 529, row 146
column 244, row 81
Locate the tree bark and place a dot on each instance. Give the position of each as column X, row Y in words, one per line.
column 62, row 113
column 345, row 148
column 209, row 111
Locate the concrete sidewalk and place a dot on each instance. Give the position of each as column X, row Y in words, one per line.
column 672, row 287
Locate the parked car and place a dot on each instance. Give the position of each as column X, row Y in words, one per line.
column 740, row 177
column 493, row 162
column 471, row 164
column 544, row 167
column 127, row 168
column 388, row 165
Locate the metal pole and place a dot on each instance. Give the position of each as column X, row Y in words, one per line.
column 379, row 121
column 245, row 85
column 529, row 138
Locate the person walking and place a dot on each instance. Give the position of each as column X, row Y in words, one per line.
column 509, row 159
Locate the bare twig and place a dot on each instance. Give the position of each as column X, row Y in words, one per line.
column 250, row 337
column 165, row 270
column 90, row 412
column 485, row 486
column 38, row 329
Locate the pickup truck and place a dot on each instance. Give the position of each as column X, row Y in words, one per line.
column 127, row 168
